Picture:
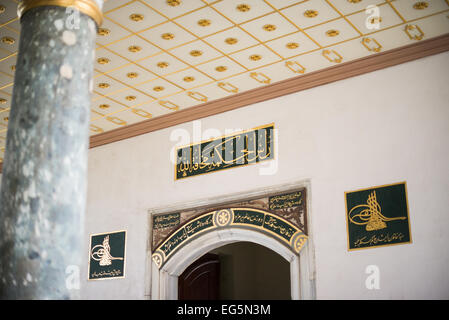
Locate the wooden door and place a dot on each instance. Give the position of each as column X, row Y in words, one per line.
column 201, row 280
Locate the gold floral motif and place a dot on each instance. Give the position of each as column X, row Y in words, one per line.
column 130, row 98
column 104, row 106
column 13, row 67
column 2, row 9
column 195, row 53
column 269, row 27
column 188, row 79
column 136, row 17
column 8, row 40
column 158, row 88
column 103, row 85
column 162, row 64
column 103, row 60
column 243, row 7
column 167, row 36
column 332, row 33
column 310, row 13
column 255, row 57
column 173, row 3
column 132, row 75
column 354, row 1
column 103, row 31
column 231, row 40
column 134, row 48
column 204, row 22
column 221, row 68
column 292, row 45
column 420, row 5
column 3, row 101
column 6, row 119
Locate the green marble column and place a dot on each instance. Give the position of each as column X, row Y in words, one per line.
column 43, row 192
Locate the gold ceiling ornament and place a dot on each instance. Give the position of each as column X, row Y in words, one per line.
column 8, row 40
column 3, row 101
column 132, row 75
column 375, row 20
column 158, row 88
column 136, row 17
column 103, row 60
column 354, row 1
column 6, row 119
column 168, row 104
column 88, row 7
column 292, row 45
column 173, row 3
column 332, row 56
column 142, row 113
column 231, row 40
column 260, row 77
column 94, row 128
column 188, row 79
column 103, row 31
column 295, row 66
column 197, row 96
column 414, row 32
column 204, row 22
column 226, row 86
column 13, row 67
column 221, row 68
column 2, row 8
column 332, row 33
column 116, row 120
column 367, row 43
column 196, row 53
column 420, row 5
column 310, row 13
column 243, row 7
column 255, row 57
column 167, row 36
column 134, row 48
column 130, row 98
column 104, row 106
column 103, row 85
column 162, row 64
column 269, row 27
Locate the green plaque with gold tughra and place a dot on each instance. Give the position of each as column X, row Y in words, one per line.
column 377, row 216
column 107, row 255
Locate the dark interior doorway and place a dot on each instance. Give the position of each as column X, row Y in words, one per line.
column 237, row 271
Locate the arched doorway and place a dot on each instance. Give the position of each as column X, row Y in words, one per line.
column 236, row 271
column 164, row 284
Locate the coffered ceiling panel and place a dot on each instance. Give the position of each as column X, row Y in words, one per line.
column 155, row 57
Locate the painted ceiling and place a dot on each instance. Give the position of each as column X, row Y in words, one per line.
column 155, row 57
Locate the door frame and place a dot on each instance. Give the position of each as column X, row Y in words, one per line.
column 162, row 284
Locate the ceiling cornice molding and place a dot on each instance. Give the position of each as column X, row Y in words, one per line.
column 342, row 71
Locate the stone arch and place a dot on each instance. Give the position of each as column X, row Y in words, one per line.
column 291, row 245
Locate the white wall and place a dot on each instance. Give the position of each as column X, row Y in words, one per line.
column 379, row 128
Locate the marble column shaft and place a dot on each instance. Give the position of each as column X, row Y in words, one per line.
column 43, row 192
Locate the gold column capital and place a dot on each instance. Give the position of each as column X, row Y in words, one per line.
column 88, row 7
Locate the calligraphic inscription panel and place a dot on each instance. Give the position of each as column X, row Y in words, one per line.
column 281, row 216
column 107, row 255
column 377, row 216
column 240, row 149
